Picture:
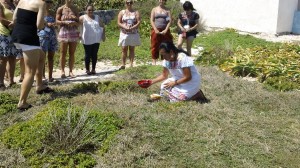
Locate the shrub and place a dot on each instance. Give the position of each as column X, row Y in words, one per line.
column 63, row 135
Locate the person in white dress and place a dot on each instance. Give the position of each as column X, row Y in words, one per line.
column 93, row 31
column 129, row 21
column 185, row 81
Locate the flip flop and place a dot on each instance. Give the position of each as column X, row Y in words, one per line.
column 46, row 90
column 22, row 109
column 51, row 80
column 88, row 72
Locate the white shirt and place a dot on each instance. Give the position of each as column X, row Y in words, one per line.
column 92, row 32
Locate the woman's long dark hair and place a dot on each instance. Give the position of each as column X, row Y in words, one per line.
column 168, row 46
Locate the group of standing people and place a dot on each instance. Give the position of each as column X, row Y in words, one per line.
column 160, row 19
column 27, row 31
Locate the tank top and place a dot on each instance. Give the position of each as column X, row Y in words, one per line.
column 92, row 32
column 161, row 20
column 8, row 14
column 129, row 19
column 25, row 29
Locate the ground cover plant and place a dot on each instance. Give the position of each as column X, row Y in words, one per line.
column 274, row 64
column 7, row 103
column 244, row 125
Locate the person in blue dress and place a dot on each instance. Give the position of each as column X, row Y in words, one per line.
column 48, row 40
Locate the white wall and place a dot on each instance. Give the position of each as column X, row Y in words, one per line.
column 269, row 16
column 287, row 9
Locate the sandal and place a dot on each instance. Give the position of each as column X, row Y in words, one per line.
column 88, row 72
column 46, row 90
column 63, row 76
column 51, row 80
column 122, row 67
column 22, row 109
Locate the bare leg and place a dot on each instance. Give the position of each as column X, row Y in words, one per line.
column 64, row 47
column 50, row 64
column 72, row 49
column 11, row 69
column 6, row 71
column 3, row 61
column 22, row 69
column 124, row 54
column 31, row 61
column 189, row 43
column 39, row 71
column 180, row 42
column 154, row 61
column 131, row 55
column 44, row 69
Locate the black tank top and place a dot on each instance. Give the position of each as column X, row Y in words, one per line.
column 25, row 29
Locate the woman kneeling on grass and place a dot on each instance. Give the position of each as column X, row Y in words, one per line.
column 184, row 83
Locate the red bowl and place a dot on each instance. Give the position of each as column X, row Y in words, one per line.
column 144, row 83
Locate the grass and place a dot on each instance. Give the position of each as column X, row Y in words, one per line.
column 230, row 39
column 244, row 125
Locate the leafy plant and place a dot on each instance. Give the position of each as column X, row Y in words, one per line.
column 264, row 63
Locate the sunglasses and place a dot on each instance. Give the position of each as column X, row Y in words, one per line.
column 90, row 10
column 129, row 3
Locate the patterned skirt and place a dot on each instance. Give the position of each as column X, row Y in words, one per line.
column 68, row 34
column 7, row 48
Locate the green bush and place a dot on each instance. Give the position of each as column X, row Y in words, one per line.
column 63, row 135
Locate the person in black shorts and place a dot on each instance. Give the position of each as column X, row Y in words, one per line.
column 188, row 22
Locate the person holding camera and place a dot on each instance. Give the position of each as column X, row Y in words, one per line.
column 188, row 23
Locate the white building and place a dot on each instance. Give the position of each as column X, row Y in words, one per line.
column 268, row 16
